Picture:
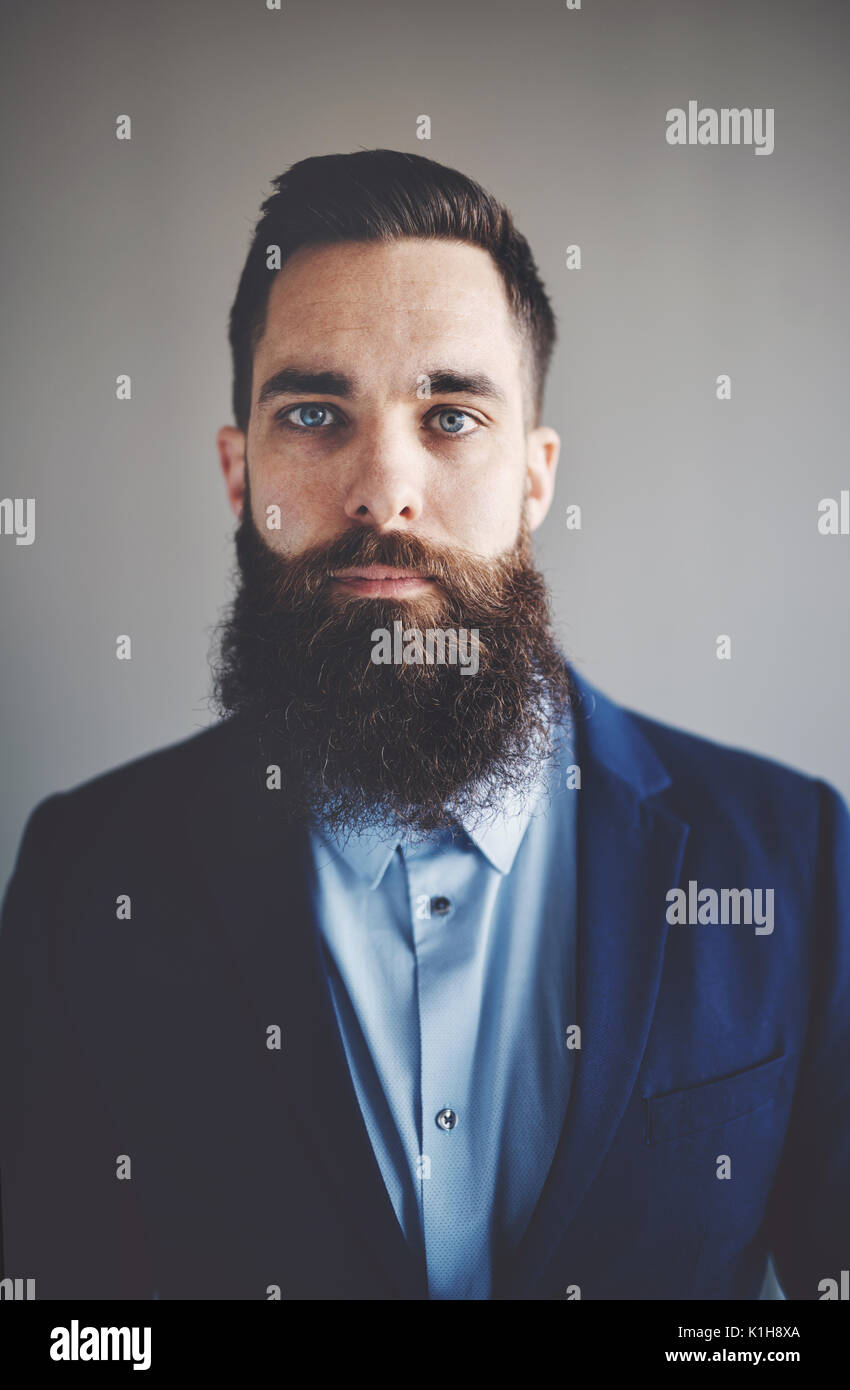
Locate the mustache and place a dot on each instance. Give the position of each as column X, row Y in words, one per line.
column 466, row 576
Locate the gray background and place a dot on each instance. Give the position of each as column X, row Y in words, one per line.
column 699, row 517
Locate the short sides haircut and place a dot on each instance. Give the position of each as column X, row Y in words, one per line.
column 384, row 195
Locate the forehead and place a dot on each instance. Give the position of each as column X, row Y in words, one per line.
column 400, row 302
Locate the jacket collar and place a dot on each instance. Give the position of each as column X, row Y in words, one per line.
column 613, row 739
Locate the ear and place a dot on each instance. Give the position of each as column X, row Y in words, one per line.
column 231, row 453
column 543, row 447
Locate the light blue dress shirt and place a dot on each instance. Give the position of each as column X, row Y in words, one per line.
column 452, row 971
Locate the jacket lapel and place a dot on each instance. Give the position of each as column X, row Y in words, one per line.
column 257, row 872
column 629, row 854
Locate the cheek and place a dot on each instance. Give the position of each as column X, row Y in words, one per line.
column 484, row 513
column 303, row 510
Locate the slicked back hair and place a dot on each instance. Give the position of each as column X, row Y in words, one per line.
column 384, row 195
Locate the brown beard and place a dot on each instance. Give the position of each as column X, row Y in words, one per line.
column 409, row 746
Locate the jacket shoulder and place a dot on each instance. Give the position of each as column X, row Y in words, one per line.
column 707, row 782
column 145, row 791
column 692, row 756
column 728, row 792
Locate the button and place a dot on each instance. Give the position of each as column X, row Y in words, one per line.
column 446, row 1119
column 440, row 906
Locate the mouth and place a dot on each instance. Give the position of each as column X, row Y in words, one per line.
column 381, row 581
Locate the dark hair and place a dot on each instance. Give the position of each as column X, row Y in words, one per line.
column 381, row 195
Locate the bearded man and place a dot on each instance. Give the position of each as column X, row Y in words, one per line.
column 380, row 988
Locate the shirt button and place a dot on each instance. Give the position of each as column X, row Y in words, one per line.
column 446, row 1119
column 440, row 906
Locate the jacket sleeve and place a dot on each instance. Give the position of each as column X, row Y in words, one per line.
column 809, row 1216
column 66, row 1221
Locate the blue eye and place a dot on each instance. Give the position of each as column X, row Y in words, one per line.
column 453, row 421
column 312, row 417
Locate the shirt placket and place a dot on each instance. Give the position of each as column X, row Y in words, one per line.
column 453, row 1224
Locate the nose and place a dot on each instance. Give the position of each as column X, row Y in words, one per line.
column 384, row 489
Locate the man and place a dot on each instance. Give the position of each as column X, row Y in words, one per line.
column 428, row 972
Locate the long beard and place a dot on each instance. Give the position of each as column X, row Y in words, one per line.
column 412, row 746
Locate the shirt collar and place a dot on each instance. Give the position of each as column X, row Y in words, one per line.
column 369, row 849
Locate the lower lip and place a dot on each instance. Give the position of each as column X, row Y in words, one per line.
column 383, row 588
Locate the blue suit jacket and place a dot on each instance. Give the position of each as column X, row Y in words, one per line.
column 705, row 1048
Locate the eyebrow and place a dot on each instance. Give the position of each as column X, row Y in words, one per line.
column 292, row 380
column 443, row 381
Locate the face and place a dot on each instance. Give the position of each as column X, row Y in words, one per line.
column 388, row 445
column 343, row 432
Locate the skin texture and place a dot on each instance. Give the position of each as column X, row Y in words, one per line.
column 384, row 315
